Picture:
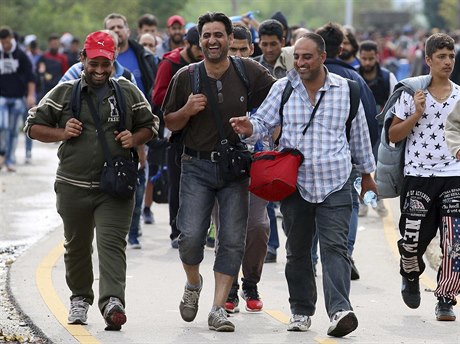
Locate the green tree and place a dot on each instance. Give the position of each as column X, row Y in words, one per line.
column 43, row 17
column 161, row 9
column 308, row 13
column 449, row 10
column 432, row 13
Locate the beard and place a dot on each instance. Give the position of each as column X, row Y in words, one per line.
column 217, row 57
column 368, row 69
column 190, row 54
column 177, row 39
column 345, row 55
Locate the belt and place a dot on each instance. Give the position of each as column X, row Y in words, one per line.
column 204, row 155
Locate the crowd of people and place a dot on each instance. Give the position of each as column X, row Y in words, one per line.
column 174, row 121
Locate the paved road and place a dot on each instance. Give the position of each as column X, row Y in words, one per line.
column 155, row 284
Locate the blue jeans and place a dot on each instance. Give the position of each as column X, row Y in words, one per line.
column 353, row 230
column 273, row 240
column 301, row 220
column 139, row 197
column 200, row 185
column 11, row 112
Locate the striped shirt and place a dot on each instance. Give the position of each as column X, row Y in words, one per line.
column 327, row 164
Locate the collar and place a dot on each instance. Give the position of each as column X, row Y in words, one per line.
column 84, row 85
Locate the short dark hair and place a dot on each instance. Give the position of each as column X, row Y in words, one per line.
column 333, row 37
column 241, row 31
column 369, row 45
column 53, row 37
column 5, row 32
column 115, row 16
column 438, row 41
column 271, row 27
column 215, row 17
column 318, row 39
column 147, row 19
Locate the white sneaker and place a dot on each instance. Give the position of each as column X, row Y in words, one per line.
column 299, row 323
column 78, row 313
column 363, row 209
column 342, row 323
column 380, row 209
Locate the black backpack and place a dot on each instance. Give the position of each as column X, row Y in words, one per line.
column 354, row 105
column 75, row 102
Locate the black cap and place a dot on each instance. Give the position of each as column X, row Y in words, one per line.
column 192, row 36
column 281, row 18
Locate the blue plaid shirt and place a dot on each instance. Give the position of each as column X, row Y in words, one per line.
column 328, row 154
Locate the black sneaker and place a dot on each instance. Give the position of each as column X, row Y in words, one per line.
column 270, row 258
column 114, row 314
column 231, row 305
column 445, row 309
column 175, row 243
column 148, row 216
column 354, row 271
column 410, row 291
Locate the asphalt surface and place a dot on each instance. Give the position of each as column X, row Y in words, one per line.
column 155, row 282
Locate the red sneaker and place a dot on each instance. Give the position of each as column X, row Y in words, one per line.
column 253, row 301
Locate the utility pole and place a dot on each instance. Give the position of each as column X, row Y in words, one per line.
column 458, row 13
column 234, row 7
column 348, row 12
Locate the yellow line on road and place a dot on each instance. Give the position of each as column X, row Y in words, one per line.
column 44, row 280
column 391, row 231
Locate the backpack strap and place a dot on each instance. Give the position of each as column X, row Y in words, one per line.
column 284, row 98
column 354, row 105
column 126, row 74
column 75, row 100
column 194, row 74
column 238, row 64
column 121, row 104
column 386, row 82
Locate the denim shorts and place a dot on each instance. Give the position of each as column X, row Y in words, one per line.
column 200, row 185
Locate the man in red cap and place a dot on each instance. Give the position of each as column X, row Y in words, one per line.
column 80, row 202
column 176, row 31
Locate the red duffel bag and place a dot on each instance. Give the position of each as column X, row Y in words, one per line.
column 274, row 174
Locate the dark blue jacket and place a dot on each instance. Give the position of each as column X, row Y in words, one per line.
column 343, row 69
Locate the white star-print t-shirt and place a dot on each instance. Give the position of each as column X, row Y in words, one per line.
column 426, row 150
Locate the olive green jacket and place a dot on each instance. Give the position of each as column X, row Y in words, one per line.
column 81, row 158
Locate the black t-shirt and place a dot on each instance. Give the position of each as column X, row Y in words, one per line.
column 202, row 133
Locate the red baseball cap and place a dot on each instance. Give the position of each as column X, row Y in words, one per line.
column 175, row 19
column 99, row 44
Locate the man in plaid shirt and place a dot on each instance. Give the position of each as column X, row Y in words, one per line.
column 322, row 185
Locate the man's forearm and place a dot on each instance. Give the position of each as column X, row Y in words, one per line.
column 141, row 136
column 44, row 133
